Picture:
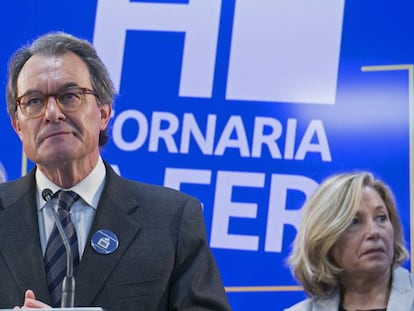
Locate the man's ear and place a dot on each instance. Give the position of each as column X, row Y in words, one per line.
column 16, row 126
column 106, row 111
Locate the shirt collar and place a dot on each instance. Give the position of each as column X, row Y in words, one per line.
column 88, row 188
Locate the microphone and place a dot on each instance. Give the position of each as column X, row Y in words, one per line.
column 68, row 285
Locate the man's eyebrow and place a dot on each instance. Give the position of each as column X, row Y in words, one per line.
column 30, row 91
column 68, row 85
column 63, row 87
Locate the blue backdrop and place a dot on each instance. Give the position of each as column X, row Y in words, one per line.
column 246, row 104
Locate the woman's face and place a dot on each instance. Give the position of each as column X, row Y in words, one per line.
column 366, row 248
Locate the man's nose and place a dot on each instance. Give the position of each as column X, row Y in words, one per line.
column 52, row 109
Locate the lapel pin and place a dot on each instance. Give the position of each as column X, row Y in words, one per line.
column 104, row 242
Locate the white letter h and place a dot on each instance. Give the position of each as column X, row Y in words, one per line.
column 199, row 19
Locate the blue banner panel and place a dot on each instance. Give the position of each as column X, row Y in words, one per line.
column 247, row 105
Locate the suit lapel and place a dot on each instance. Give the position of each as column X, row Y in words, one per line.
column 114, row 214
column 20, row 243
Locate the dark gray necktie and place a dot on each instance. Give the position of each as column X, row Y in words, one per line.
column 55, row 256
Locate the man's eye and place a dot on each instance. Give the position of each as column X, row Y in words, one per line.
column 68, row 96
column 34, row 101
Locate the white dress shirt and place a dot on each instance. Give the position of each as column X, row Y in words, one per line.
column 82, row 211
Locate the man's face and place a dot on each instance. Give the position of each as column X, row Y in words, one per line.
column 59, row 138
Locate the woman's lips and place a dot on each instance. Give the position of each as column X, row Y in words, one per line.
column 374, row 251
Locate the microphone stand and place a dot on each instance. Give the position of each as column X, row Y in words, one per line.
column 68, row 284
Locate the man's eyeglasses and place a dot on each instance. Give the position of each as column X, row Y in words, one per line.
column 33, row 104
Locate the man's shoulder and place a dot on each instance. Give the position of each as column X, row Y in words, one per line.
column 116, row 180
column 156, row 198
column 16, row 185
column 13, row 190
column 147, row 191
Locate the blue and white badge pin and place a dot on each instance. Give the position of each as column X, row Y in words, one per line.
column 104, row 242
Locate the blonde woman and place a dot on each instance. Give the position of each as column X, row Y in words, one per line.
column 349, row 248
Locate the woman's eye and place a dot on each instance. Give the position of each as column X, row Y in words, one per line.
column 354, row 221
column 382, row 218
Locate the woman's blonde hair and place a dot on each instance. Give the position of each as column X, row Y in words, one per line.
column 326, row 215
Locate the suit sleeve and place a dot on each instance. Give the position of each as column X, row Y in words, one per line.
column 196, row 281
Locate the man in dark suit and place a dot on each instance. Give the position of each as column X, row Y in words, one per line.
column 141, row 247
